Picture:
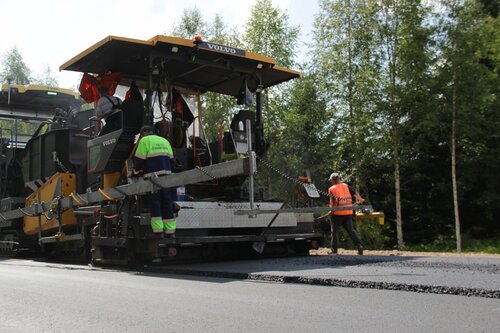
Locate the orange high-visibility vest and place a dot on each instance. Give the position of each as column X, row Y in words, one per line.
column 342, row 198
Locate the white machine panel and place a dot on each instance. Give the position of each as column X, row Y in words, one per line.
column 196, row 214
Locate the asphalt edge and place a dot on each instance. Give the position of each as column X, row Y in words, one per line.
column 418, row 288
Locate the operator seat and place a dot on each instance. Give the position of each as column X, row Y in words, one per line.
column 133, row 109
column 110, row 149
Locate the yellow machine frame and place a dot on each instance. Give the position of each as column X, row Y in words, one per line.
column 47, row 193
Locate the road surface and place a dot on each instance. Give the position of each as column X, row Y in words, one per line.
column 52, row 297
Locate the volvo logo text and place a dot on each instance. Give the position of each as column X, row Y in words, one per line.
column 222, row 48
column 108, row 142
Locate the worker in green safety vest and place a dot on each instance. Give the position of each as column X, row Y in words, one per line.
column 154, row 156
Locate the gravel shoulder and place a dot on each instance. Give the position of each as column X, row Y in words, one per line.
column 328, row 251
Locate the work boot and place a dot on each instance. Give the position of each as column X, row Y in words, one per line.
column 360, row 250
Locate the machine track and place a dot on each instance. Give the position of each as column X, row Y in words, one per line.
column 8, row 248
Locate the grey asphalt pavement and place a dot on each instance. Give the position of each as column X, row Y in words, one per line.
column 51, row 297
column 467, row 273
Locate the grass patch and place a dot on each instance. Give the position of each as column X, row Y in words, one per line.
column 469, row 244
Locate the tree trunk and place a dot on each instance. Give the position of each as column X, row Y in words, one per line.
column 350, row 98
column 399, row 219
column 397, row 173
column 397, row 188
column 454, row 165
column 392, row 47
column 266, row 108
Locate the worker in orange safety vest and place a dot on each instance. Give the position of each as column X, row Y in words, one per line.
column 341, row 195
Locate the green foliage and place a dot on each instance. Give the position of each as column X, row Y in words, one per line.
column 218, row 108
column 47, row 79
column 268, row 32
column 20, row 129
column 191, row 24
column 218, row 32
column 14, row 69
column 444, row 243
column 372, row 235
column 378, row 90
column 301, row 143
column 349, row 69
column 217, row 113
column 385, row 69
column 478, row 117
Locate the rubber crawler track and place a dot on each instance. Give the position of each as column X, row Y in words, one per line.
column 429, row 289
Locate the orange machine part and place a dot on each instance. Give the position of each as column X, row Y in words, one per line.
column 46, row 193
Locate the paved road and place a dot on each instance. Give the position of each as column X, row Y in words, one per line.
column 454, row 275
column 47, row 297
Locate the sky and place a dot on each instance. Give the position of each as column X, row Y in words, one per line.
column 51, row 32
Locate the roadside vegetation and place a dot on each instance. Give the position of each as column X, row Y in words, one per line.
column 469, row 244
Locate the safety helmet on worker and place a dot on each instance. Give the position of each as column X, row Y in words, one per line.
column 334, row 175
column 146, row 129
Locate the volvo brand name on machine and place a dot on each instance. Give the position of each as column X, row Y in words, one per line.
column 221, row 48
column 109, row 142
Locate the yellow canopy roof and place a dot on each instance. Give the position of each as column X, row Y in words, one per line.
column 201, row 66
column 37, row 98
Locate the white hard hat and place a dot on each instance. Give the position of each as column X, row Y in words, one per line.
column 334, row 175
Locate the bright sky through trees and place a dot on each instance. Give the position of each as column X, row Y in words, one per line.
column 52, row 32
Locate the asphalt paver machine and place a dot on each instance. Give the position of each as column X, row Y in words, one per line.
column 93, row 206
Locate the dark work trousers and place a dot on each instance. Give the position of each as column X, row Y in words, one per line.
column 346, row 221
column 161, row 203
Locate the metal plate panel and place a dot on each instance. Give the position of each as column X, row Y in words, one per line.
column 304, row 217
column 197, row 215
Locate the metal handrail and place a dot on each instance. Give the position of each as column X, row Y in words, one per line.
column 204, row 137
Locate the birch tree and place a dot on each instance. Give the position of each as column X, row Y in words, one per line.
column 404, row 41
column 269, row 32
column 14, row 68
column 468, row 75
column 348, row 64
